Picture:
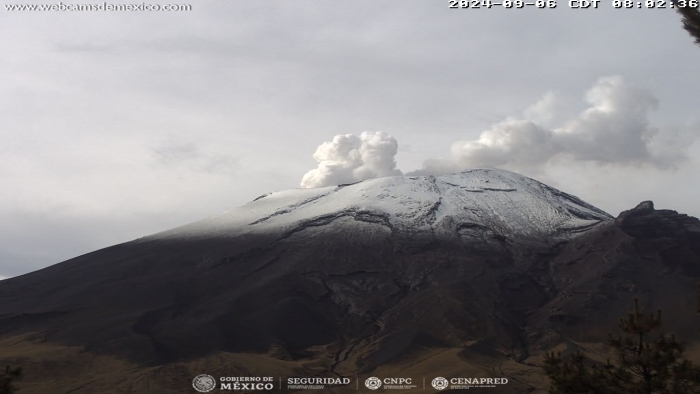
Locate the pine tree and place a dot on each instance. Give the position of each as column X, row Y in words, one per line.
column 691, row 18
column 574, row 376
column 645, row 365
column 11, row 375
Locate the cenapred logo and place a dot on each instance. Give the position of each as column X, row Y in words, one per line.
column 204, row 383
column 373, row 383
column 440, row 383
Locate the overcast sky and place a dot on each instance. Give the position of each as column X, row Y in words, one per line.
column 116, row 125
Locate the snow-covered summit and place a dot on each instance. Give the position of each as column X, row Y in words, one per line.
column 506, row 203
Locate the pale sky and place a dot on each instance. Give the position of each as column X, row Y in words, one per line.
column 117, row 125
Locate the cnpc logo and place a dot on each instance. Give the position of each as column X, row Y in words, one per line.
column 375, row 383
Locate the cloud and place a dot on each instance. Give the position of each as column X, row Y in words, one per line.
column 614, row 129
column 349, row 158
column 200, row 156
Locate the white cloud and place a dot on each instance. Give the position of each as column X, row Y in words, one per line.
column 600, row 148
column 614, row 129
column 349, row 158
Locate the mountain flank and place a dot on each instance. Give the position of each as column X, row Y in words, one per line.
column 471, row 274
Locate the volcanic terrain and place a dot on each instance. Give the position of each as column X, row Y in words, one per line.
column 474, row 274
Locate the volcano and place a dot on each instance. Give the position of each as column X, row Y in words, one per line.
column 474, row 274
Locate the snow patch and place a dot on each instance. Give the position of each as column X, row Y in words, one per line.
column 504, row 202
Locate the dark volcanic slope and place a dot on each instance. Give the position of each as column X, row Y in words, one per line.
column 375, row 277
column 652, row 255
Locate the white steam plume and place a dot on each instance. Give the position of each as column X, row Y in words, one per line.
column 613, row 130
column 349, row 158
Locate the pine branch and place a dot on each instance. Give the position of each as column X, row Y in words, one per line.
column 691, row 24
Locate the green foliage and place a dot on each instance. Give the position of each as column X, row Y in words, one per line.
column 644, row 365
column 11, row 375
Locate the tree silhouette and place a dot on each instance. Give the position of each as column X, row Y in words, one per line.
column 11, row 375
column 574, row 376
column 691, row 18
column 644, row 365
